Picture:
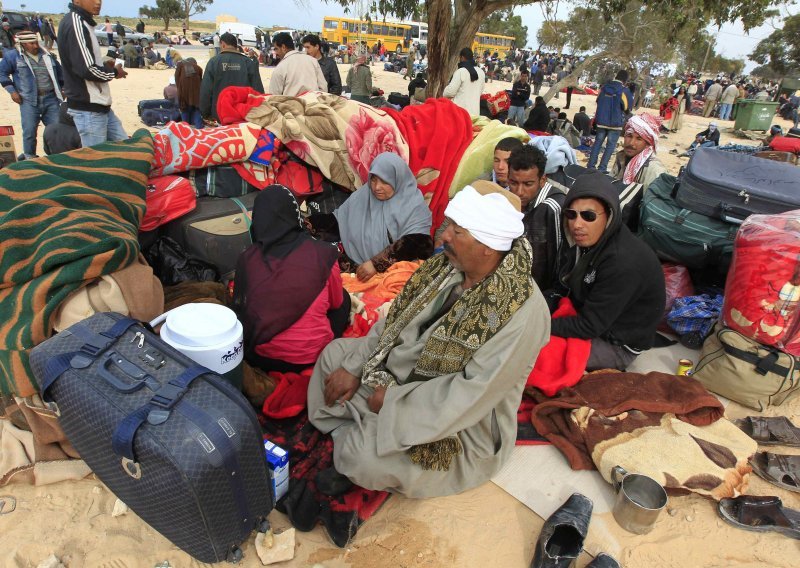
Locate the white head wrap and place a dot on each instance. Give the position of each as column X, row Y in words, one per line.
column 491, row 218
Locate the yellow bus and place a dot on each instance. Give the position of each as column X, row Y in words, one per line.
column 394, row 35
column 492, row 43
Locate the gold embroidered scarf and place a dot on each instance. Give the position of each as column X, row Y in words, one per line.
column 475, row 317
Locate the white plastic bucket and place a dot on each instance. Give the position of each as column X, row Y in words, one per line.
column 209, row 334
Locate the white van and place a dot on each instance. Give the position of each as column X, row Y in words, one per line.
column 244, row 32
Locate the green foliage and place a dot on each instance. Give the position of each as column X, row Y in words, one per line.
column 552, row 35
column 504, row 22
column 163, row 10
column 192, row 7
column 780, row 51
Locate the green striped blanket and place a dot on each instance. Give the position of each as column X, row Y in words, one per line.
column 64, row 220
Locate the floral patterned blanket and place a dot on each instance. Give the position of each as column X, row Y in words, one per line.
column 338, row 136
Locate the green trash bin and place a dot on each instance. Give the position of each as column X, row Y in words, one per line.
column 755, row 115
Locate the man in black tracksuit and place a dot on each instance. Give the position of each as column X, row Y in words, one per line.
column 229, row 68
column 541, row 205
column 86, row 77
column 613, row 278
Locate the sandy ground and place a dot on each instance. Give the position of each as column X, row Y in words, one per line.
column 482, row 527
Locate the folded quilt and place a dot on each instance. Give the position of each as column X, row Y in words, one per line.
column 180, row 148
column 338, row 136
column 65, row 220
column 664, row 426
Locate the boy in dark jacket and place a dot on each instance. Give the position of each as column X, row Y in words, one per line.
column 520, row 95
column 613, row 102
column 613, row 278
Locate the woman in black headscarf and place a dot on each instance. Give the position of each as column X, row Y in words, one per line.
column 288, row 292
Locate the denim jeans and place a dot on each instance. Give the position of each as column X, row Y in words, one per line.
column 516, row 115
column 694, row 145
column 192, row 115
column 725, row 111
column 610, row 137
column 97, row 127
column 44, row 109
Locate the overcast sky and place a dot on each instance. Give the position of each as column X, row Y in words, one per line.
column 732, row 41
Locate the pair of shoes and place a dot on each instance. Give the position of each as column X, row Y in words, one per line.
column 562, row 536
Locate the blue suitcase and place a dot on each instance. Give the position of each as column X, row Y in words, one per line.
column 173, row 440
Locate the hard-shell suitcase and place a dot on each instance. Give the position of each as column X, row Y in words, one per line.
column 217, row 231
column 731, row 186
column 174, row 441
column 678, row 235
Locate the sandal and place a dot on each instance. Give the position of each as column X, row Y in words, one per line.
column 761, row 514
column 770, row 431
column 778, row 469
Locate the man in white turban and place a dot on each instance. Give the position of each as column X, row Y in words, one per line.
column 426, row 403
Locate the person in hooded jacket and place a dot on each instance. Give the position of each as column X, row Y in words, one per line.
column 288, row 292
column 62, row 135
column 613, row 279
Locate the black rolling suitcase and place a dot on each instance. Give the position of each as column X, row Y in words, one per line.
column 731, row 186
column 159, row 104
column 217, row 231
column 174, row 441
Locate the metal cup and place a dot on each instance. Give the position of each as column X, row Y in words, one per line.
column 640, row 500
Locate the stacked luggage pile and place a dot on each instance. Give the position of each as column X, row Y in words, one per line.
column 738, row 217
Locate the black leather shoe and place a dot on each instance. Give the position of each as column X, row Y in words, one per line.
column 603, row 560
column 332, row 483
column 561, row 539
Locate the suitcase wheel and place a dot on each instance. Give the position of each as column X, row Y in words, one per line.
column 235, row 555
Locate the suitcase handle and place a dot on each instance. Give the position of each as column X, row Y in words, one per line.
column 735, row 215
column 131, row 370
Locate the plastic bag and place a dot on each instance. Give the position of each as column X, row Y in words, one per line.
column 172, row 265
column 678, row 284
column 762, row 292
column 167, row 198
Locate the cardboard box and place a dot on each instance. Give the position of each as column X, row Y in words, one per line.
column 8, row 153
column 278, row 462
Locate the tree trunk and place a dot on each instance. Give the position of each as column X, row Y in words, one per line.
column 440, row 17
column 571, row 80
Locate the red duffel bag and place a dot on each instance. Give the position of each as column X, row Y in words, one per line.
column 167, row 198
column 762, row 292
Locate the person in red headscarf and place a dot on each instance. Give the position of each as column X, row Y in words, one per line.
column 637, row 161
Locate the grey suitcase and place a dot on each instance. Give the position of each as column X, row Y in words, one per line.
column 731, row 186
column 217, row 231
column 174, row 441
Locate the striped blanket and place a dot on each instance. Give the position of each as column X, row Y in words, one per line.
column 64, row 220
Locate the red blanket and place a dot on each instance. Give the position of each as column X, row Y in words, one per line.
column 438, row 133
column 562, row 362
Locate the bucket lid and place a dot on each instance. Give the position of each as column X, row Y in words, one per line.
column 202, row 325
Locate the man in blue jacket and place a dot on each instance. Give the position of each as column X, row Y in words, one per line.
column 33, row 78
column 613, row 101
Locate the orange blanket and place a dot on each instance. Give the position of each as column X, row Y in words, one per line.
column 385, row 285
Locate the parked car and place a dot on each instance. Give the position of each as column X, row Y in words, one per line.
column 18, row 21
column 130, row 34
column 207, row 39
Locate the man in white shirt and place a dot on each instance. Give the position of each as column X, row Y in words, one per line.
column 466, row 86
column 297, row 72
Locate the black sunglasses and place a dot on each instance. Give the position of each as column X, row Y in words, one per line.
column 588, row 216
